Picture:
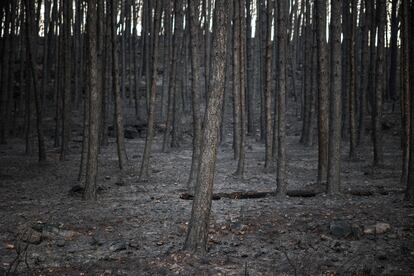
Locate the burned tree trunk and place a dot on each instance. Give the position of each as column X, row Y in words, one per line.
column 268, row 91
column 197, row 234
column 379, row 80
column 94, row 102
column 31, row 31
column 195, row 46
column 145, row 164
column 323, row 90
column 122, row 157
column 281, row 100
column 67, row 97
column 242, row 94
column 352, row 83
column 408, row 54
column 334, row 150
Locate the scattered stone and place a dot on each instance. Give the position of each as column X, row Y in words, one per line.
column 61, row 243
column 238, row 227
column 325, row 237
column 117, row 246
column 378, row 228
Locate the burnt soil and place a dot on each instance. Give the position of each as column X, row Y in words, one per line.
column 138, row 228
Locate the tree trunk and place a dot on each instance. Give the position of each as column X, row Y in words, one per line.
column 379, row 80
column 94, row 101
column 30, row 40
column 408, row 36
column 195, row 46
column 323, row 91
column 309, row 97
column 250, row 91
column 236, row 80
column 334, row 148
column 281, row 101
column 405, row 95
column 197, row 234
column 67, row 102
column 172, row 83
column 242, row 86
column 122, row 157
column 5, row 75
column 392, row 83
column 364, row 76
column 268, row 91
column 352, row 82
column 145, row 164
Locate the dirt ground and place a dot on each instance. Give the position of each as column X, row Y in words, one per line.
column 139, row 228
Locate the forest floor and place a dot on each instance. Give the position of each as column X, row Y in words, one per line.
column 139, row 228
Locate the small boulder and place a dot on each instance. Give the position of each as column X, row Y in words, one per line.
column 61, row 243
column 378, row 228
column 118, row 246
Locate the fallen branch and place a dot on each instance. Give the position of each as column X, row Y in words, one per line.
column 254, row 194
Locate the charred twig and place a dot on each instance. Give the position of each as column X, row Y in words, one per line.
column 21, row 248
column 290, row 262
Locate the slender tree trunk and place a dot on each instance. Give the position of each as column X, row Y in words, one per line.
column 168, row 55
column 323, row 91
column 67, row 102
column 268, row 91
column 172, row 83
column 364, row 76
column 122, row 157
column 335, row 116
column 309, row 97
column 392, row 83
column 94, row 101
column 197, row 234
column 408, row 33
column 30, row 40
column 195, row 39
column 77, row 38
column 346, row 41
column 5, row 75
column 373, row 52
column 379, row 80
column 250, row 91
column 145, row 164
column 207, row 41
column 236, row 80
column 242, row 87
column 406, row 86
column 352, row 83
column 179, row 83
column 281, row 101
